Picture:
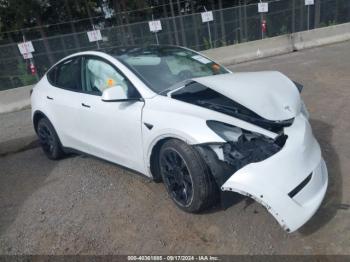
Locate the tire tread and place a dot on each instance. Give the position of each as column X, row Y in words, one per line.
column 204, row 180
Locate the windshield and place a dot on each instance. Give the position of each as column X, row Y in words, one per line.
column 161, row 68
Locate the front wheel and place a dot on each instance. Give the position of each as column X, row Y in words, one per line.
column 186, row 177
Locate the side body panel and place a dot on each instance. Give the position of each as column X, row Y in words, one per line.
column 109, row 130
column 176, row 119
column 112, row 130
column 62, row 108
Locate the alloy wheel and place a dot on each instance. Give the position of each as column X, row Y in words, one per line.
column 46, row 138
column 177, row 177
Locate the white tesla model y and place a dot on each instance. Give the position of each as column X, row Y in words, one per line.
column 178, row 117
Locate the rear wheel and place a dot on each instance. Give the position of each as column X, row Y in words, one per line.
column 49, row 140
column 186, row 177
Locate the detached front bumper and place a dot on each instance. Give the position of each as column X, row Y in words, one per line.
column 292, row 183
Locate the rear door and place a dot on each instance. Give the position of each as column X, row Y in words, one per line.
column 63, row 100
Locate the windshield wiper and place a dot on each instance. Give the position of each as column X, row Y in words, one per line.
column 248, row 116
column 181, row 84
column 218, row 106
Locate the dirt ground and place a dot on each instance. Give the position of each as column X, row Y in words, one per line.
column 81, row 205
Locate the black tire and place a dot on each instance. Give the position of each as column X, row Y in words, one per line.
column 49, row 140
column 186, row 177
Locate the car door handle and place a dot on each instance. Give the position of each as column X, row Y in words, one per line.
column 50, row 98
column 85, row 105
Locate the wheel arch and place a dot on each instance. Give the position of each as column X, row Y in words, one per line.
column 153, row 153
column 37, row 115
column 36, row 118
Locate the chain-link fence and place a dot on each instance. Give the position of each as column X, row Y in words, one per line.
column 229, row 26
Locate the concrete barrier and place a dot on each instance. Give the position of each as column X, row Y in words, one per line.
column 18, row 98
column 14, row 99
column 279, row 45
column 321, row 36
column 243, row 52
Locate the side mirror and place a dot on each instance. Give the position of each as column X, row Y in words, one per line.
column 114, row 94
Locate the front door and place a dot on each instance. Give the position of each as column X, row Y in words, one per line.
column 112, row 129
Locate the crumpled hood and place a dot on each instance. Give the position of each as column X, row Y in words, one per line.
column 269, row 94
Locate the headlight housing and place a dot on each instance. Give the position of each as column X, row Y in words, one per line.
column 243, row 147
column 225, row 131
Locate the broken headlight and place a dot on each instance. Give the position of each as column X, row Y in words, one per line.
column 243, row 147
column 225, row 131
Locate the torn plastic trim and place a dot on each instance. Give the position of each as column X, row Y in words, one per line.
column 224, row 159
column 220, row 170
column 243, row 147
column 244, row 151
column 290, row 213
column 278, row 175
column 261, row 201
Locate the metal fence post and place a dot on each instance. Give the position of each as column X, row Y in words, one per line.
column 97, row 44
column 155, row 32
column 31, row 61
column 301, row 16
column 77, row 44
column 308, row 17
column 222, row 24
column 317, row 10
column 336, row 11
column 174, row 22
column 183, row 34
column 209, row 32
column 261, row 22
column 293, row 16
column 170, row 40
column 240, row 23
column 245, row 21
column 195, row 25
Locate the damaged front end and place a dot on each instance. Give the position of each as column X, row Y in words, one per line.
column 283, row 171
column 242, row 147
column 287, row 174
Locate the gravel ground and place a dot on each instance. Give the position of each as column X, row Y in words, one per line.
column 16, row 132
column 81, row 205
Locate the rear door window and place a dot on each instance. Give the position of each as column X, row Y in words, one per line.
column 67, row 75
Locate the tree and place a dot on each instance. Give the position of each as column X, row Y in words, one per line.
column 19, row 14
